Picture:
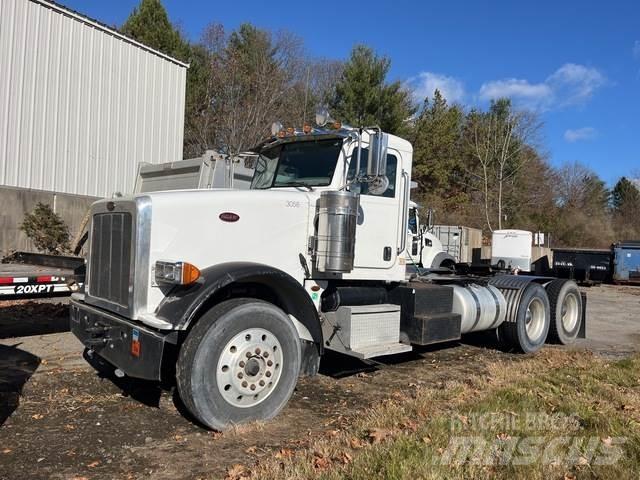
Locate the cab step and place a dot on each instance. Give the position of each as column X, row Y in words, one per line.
column 379, row 350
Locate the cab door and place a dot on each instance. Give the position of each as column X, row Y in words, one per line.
column 377, row 233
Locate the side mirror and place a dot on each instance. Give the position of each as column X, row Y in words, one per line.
column 430, row 219
column 423, row 229
column 377, row 164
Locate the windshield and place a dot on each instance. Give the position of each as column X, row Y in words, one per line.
column 308, row 163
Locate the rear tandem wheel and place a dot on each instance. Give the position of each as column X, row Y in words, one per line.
column 527, row 332
column 566, row 311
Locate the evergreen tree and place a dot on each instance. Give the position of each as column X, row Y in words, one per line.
column 436, row 144
column 150, row 25
column 625, row 197
column 363, row 97
column 625, row 203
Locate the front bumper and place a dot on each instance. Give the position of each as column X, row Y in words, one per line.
column 136, row 350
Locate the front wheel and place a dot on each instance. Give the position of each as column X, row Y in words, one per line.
column 239, row 363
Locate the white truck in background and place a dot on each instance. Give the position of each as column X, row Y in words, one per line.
column 232, row 294
column 512, row 249
column 424, row 249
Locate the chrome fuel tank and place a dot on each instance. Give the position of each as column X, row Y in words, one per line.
column 481, row 307
column 336, row 231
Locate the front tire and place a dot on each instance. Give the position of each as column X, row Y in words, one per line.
column 566, row 311
column 528, row 331
column 239, row 363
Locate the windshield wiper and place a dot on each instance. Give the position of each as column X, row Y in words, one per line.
column 296, row 184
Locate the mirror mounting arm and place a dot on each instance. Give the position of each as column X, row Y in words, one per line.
column 356, row 175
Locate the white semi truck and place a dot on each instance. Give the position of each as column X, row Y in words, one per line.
column 232, row 294
column 424, row 249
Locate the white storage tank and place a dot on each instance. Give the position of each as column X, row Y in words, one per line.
column 512, row 249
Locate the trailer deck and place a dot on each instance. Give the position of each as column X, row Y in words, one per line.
column 30, row 275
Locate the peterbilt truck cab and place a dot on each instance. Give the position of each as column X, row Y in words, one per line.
column 232, row 294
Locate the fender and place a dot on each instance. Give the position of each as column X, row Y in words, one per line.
column 439, row 258
column 182, row 304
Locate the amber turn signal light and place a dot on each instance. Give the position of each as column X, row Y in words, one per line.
column 176, row 273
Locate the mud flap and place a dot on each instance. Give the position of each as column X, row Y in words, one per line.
column 582, row 333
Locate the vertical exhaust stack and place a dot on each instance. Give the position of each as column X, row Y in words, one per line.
column 336, row 231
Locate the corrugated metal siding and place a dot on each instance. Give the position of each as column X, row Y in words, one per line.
column 79, row 105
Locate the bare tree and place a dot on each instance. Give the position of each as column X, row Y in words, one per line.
column 257, row 77
column 501, row 142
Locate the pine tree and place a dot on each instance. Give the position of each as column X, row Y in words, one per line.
column 149, row 24
column 436, row 144
column 363, row 97
column 625, row 197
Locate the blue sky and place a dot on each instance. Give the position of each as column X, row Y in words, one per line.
column 575, row 62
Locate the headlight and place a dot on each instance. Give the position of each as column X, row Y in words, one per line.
column 176, row 273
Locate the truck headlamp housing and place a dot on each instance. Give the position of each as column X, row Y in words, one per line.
column 176, row 273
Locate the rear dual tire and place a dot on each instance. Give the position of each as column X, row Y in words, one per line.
column 239, row 363
column 528, row 331
column 566, row 311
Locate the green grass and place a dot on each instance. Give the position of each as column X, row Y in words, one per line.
column 572, row 404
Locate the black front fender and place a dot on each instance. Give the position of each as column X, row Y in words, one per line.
column 183, row 304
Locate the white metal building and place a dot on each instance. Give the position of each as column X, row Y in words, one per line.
column 81, row 104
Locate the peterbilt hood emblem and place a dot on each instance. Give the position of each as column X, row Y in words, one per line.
column 229, row 217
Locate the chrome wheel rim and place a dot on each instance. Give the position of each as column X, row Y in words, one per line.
column 570, row 312
column 534, row 319
column 249, row 368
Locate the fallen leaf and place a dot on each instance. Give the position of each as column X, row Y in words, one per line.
column 6, row 450
column 607, row 441
column 332, row 433
column 345, row 458
column 569, row 476
column 378, row 435
column 93, row 464
column 356, row 443
column 321, row 462
column 410, row 425
column 37, row 416
column 237, row 472
column 284, row 453
column 251, row 449
column 426, row 439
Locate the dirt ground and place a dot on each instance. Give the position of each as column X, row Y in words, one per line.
column 61, row 419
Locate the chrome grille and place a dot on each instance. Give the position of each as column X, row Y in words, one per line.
column 110, row 264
